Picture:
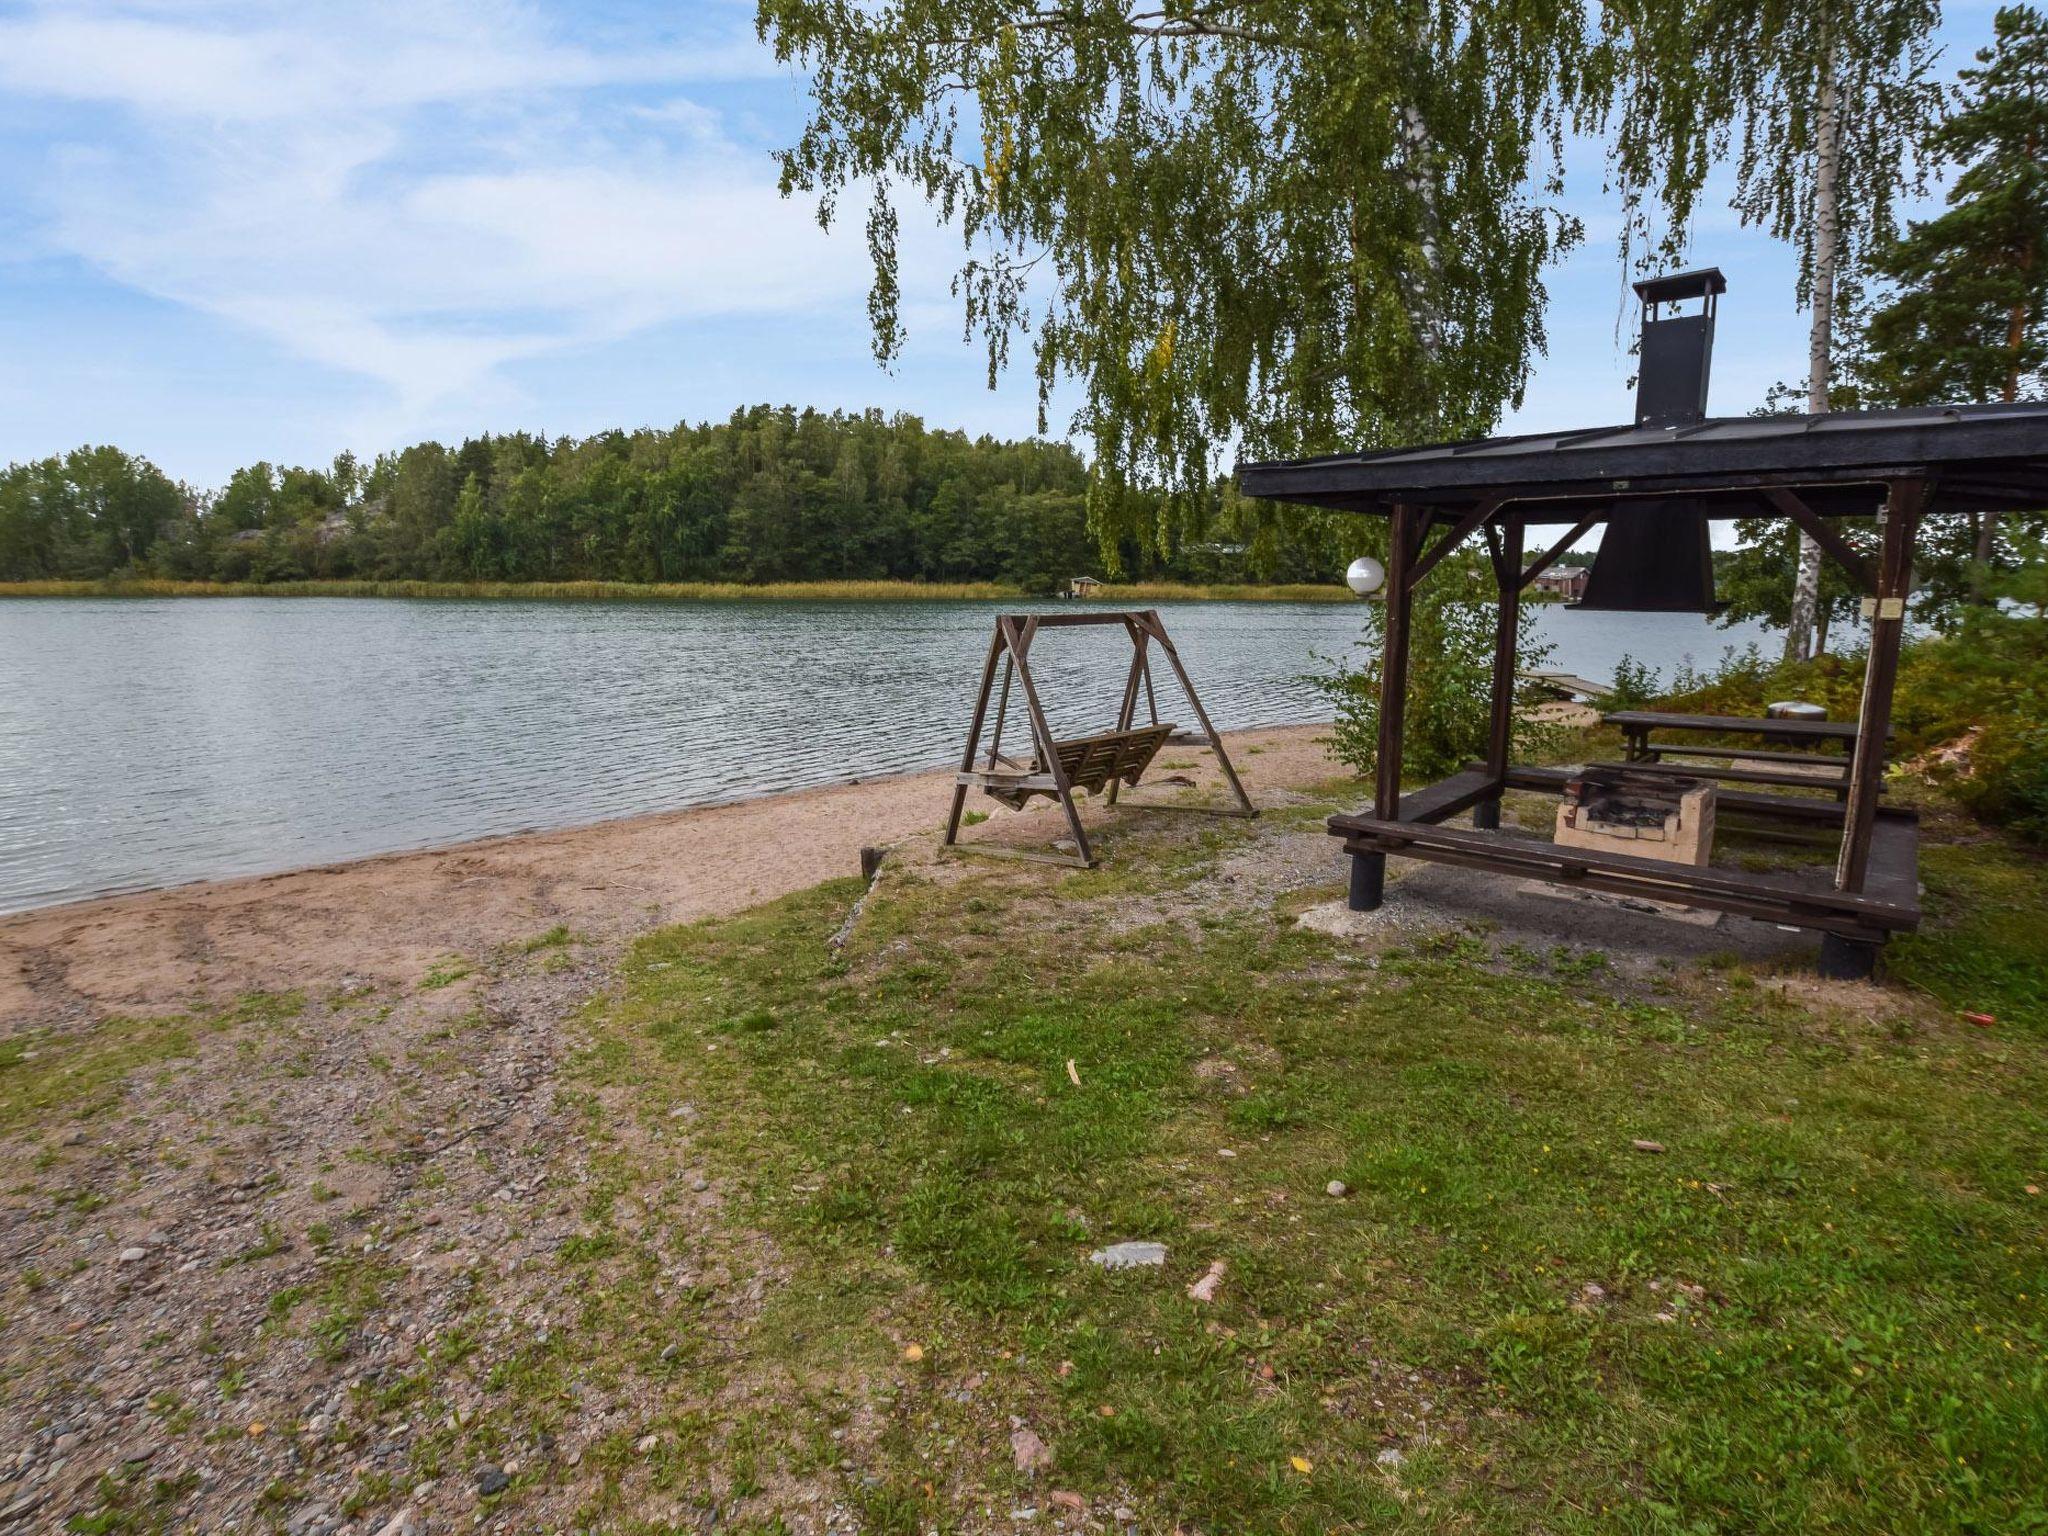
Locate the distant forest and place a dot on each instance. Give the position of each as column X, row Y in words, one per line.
column 769, row 495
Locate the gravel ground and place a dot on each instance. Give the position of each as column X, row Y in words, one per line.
column 272, row 1152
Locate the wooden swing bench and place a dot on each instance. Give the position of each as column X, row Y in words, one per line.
column 1089, row 763
column 1059, row 767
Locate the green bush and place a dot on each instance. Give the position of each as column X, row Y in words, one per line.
column 1745, row 683
column 2007, row 781
column 1982, row 690
column 1450, row 686
column 1634, row 684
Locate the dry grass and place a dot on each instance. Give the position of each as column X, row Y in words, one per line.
column 669, row 591
column 562, row 591
column 1239, row 592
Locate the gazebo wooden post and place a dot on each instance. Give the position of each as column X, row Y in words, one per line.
column 1507, row 573
column 1856, row 959
column 1369, row 870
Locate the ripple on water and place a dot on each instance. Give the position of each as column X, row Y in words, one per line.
column 144, row 743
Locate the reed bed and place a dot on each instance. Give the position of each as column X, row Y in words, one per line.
column 1227, row 592
column 674, row 591
column 555, row 591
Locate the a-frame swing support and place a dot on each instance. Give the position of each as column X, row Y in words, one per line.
column 1109, row 761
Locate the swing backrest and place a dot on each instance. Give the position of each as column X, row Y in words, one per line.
column 1091, row 762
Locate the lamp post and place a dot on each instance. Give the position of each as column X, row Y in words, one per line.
column 1366, row 576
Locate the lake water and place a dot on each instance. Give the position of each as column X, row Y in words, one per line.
column 146, row 743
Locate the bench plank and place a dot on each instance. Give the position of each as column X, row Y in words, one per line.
column 1445, row 798
column 1776, row 777
column 1782, row 730
column 1780, row 807
column 1893, row 874
column 1761, row 754
column 1753, row 895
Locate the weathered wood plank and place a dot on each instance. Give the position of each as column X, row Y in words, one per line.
column 1447, row 797
column 1768, row 896
column 1905, row 499
column 1777, row 807
column 1761, row 754
column 1780, row 730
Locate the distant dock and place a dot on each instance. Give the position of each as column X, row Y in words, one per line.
column 1568, row 685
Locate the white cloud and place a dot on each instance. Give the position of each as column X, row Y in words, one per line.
column 419, row 193
column 236, row 61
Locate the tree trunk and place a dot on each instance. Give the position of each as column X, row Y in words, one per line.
column 1827, row 149
column 1986, row 543
column 1980, row 557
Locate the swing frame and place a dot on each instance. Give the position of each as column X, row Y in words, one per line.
column 1001, row 774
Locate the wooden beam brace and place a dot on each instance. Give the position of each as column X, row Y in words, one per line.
column 1019, row 637
column 1551, row 556
column 1187, row 687
column 1503, row 573
column 1826, row 535
column 988, row 677
column 1460, row 531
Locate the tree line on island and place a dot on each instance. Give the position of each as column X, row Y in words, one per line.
column 769, row 495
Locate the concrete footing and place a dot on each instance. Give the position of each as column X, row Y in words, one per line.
column 1368, row 882
column 1848, row 959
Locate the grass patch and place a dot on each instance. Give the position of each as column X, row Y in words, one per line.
column 445, row 973
column 1820, row 1309
column 270, row 1241
column 1984, row 950
column 45, row 1076
column 557, row 937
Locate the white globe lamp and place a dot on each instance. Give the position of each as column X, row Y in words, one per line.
column 1366, row 576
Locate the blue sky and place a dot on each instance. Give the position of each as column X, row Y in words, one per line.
column 233, row 230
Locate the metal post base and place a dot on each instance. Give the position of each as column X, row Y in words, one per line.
column 1368, row 882
column 1848, row 959
column 1486, row 815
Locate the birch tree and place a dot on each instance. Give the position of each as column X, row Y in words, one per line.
column 1283, row 226
column 1273, row 227
column 1834, row 100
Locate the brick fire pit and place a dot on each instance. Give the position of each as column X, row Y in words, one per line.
column 1650, row 816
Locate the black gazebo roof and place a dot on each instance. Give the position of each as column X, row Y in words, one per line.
column 1977, row 457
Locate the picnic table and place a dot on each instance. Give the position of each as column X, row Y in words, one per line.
column 1747, row 765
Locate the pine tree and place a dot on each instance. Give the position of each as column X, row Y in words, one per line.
column 1969, row 321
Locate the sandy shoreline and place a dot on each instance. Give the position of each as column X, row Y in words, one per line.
column 388, row 918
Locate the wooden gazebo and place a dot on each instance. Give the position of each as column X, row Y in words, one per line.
column 1653, row 486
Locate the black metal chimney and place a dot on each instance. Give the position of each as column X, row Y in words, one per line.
column 1671, row 386
column 1654, row 555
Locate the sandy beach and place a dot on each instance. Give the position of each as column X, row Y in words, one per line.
column 385, row 920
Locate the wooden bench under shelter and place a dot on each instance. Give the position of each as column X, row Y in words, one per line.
column 1859, row 483
column 1815, row 766
column 1060, row 767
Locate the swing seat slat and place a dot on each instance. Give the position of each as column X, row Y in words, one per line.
column 1089, row 763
